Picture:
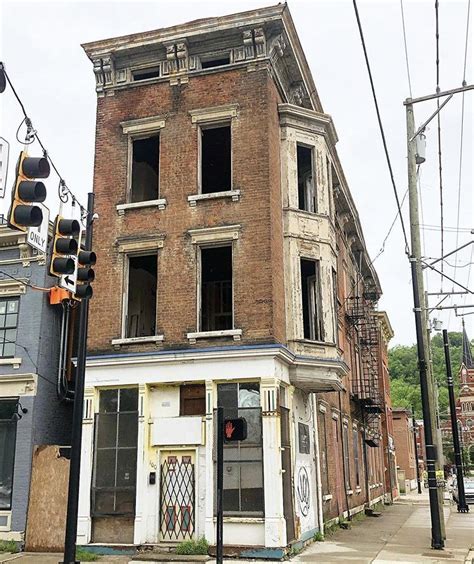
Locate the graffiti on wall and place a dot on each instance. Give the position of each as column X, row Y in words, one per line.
column 303, row 491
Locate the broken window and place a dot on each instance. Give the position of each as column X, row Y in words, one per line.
column 313, row 326
column 145, row 169
column 115, row 457
column 192, row 399
column 243, row 460
column 215, row 159
column 306, row 179
column 216, row 289
column 145, row 74
column 141, row 299
column 217, row 61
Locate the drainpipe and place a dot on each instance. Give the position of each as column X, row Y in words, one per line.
column 366, row 466
column 317, row 461
column 349, row 516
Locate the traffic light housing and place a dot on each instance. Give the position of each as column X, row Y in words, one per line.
column 85, row 274
column 65, row 246
column 28, row 191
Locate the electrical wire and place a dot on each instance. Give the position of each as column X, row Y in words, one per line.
column 440, row 163
column 423, row 238
column 382, row 132
column 32, row 286
column 34, row 135
column 406, row 49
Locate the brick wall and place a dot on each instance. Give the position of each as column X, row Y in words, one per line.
column 258, row 284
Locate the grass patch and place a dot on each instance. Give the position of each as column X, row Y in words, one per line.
column 8, row 546
column 318, row 536
column 294, row 551
column 358, row 517
column 192, row 546
column 329, row 530
column 85, row 556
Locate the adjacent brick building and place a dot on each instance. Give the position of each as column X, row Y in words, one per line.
column 405, row 448
column 232, row 271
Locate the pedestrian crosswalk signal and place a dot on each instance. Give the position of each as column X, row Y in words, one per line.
column 65, row 246
column 28, row 191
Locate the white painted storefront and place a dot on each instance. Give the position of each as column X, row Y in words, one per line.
column 162, row 433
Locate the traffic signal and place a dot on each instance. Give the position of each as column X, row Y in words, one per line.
column 235, row 429
column 27, row 191
column 85, row 274
column 65, row 246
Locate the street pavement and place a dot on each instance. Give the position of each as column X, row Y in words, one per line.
column 400, row 534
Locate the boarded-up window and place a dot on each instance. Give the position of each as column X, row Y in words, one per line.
column 193, row 399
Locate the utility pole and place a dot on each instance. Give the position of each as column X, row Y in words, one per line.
column 418, row 479
column 76, row 438
column 462, row 505
column 437, row 540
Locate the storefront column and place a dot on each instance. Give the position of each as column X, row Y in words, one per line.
column 210, row 532
column 87, row 459
column 275, row 524
column 139, row 534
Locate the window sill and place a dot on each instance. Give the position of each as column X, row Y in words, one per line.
column 160, row 204
column 243, row 519
column 349, row 492
column 327, row 497
column 358, row 490
column 235, row 333
column 15, row 362
column 117, row 343
column 234, row 194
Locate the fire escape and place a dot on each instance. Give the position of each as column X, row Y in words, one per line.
column 362, row 317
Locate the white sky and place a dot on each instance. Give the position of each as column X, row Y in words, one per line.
column 40, row 45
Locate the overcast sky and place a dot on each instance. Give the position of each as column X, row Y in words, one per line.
column 40, row 45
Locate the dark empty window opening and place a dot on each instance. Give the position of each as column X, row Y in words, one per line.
column 145, row 169
column 306, row 180
column 217, row 61
column 215, row 159
column 141, row 310
column 145, row 74
column 216, row 289
column 311, row 296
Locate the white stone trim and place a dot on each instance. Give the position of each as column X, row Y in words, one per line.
column 349, row 492
column 160, row 203
column 130, row 246
column 214, row 114
column 143, row 125
column 214, row 234
column 13, row 287
column 17, row 385
column 117, row 343
column 322, row 408
column 327, row 497
column 194, row 198
column 15, row 362
column 235, row 333
column 335, row 416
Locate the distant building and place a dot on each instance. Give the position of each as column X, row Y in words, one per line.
column 31, row 410
column 405, row 448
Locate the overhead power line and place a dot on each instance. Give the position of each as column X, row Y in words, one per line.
column 440, row 162
column 64, row 191
column 406, row 48
column 382, row 132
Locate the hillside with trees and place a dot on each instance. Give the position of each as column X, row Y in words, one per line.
column 404, row 375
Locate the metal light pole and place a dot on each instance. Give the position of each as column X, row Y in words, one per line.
column 462, row 505
column 76, row 438
column 220, row 485
column 437, row 540
column 418, row 479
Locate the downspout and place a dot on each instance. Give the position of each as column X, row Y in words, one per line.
column 366, row 469
column 317, row 461
column 341, row 425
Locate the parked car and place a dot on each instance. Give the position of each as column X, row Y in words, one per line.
column 468, row 489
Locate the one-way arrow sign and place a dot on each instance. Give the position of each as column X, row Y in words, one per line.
column 68, row 281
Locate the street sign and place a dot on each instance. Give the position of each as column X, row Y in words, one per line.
column 68, row 281
column 38, row 236
column 235, row 429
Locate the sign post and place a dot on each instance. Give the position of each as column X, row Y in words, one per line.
column 220, row 485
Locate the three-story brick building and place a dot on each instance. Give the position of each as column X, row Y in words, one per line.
column 229, row 246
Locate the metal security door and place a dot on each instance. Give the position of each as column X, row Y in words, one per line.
column 177, row 495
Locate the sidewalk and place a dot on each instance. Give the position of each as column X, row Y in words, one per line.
column 401, row 534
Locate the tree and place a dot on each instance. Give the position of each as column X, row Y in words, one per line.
column 404, row 375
